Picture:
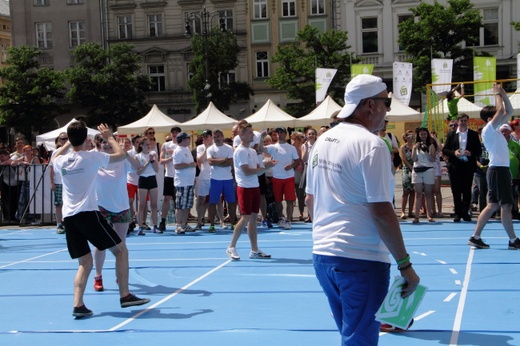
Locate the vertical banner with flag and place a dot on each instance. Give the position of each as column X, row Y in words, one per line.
column 441, row 74
column 324, row 77
column 356, row 69
column 403, row 81
column 484, row 69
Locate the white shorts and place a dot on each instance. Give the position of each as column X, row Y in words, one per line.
column 426, row 177
column 203, row 187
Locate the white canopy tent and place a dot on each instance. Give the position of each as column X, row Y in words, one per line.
column 269, row 116
column 155, row 118
column 320, row 116
column 515, row 102
column 464, row 106
column 210, row 118
column 47, row 139
column 401, row 112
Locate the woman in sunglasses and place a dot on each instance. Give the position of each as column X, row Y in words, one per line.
column 150, row 134
column 423, row 175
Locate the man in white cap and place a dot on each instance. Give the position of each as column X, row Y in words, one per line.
column 350, row 187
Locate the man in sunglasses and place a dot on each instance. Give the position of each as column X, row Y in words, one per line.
column 350, row 187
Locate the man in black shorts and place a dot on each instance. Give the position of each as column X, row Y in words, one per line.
column 500, row 191
column 82, row 219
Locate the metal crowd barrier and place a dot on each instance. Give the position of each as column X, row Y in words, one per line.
column 25, row 195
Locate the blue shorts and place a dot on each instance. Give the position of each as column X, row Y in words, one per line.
column 355, row 290
column 222, row 187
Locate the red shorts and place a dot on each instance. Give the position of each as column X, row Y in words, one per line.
column 248, row 200
column 283, row 187
column 132, row 190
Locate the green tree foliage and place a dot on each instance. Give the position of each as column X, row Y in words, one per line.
column 107, row 83
column 516, row 25
column 297, row 63
column 439, row 31
column 222, row 54
column 30, row 94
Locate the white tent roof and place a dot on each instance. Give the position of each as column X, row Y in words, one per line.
column 401, row 112
column 320, row 115
column 464, row 106
column 270, row 115
column 210, row 118
column 155, row 118
column 47, row 139
column 515, row 102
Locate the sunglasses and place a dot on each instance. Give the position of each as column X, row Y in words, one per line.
column 64, row 138
column 150, row 133
column 388, row 100
column 453, row 125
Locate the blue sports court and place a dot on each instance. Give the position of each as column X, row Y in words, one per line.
column 200, row 297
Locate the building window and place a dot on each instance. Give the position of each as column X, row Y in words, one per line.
column 369, row 34
column 317, row 7
column 41, row 2
column 260, row 9
column 158, row 77
column 226, row 18
column 155, row 25
column 43, row 35
column 191, row 71
column 75, row 2
column 262, row 64
column 489, row 33
column 288, row 8
column 227, row 78
column 124, row 24
column 401, row 19
column 76, row 33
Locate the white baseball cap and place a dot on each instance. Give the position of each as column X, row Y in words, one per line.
column 505, row 127
column 360, row 87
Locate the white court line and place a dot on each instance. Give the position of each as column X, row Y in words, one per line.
column 32, row 258
column 462, row 301
column 453, row 271
column 426, row 314
column 450, row 297
column 180, row 290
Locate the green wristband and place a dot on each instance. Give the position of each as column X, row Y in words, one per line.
column 404, row 260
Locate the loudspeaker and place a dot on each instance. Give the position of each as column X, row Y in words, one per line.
column 4, row 138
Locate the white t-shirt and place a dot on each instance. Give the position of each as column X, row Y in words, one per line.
column 169, row 148
column 348, row 168
column 285, row 154
column 79, row 172
column 237, row 141
column 57, row 174
column 143, row 159
column 223, row 152
column 496, row 146
column 111, row 192
column 205, row 169
column 184, row 176
column 132, row 177
column 245, row 156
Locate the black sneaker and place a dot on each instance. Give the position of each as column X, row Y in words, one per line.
column 132, row 300
column 81, row 312
column 162, row 226
column 514, row 245
column 479, row 244
column 146, row 227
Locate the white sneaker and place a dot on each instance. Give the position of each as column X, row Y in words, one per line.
column 281, row 222
column 287, row 225
column 179, row 230
column 259, row 255
column 223, row 226
column 232, row 253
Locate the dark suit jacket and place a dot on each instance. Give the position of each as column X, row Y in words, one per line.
column 473, row 146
